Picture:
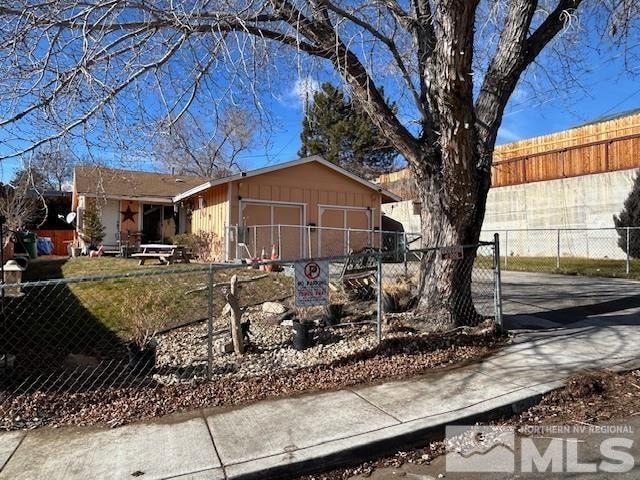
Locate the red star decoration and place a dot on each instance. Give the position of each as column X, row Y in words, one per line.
column 128, row 214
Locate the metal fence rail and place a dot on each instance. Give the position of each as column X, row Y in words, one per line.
column 91, row 334
column 300, row 241
column 612, row 250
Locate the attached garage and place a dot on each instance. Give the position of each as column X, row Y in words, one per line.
column 305, row 208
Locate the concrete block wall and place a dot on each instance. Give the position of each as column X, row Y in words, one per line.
column 585, row 202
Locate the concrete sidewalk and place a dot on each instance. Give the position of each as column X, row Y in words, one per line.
column 273, row 439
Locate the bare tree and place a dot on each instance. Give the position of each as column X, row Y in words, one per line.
column 21, row 202
column 190, row 146
column 56, row 168
column 73, row 67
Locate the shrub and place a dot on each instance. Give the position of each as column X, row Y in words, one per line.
column 630, row 217
column 206, row 246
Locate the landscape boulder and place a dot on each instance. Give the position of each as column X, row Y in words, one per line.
column 273, row 308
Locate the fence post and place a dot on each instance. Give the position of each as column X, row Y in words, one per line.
column 404, row 252
column 379, row 300
column 348, row 241
column 558, row 248
column 210, row 322
column 506, row 248
column 255, row 241
column 279, row 242
column 628, row 263
column 497, row 290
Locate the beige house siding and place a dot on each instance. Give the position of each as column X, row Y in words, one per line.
column 304, row 209
column 311, row 184
column 210, row 210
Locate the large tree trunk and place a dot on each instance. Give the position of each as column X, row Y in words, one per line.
column 453, row 209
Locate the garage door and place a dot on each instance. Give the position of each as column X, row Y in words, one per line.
column 342, row 230
column 268, row 225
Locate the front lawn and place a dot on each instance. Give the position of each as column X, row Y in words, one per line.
column 590, row 267
column 97, row 317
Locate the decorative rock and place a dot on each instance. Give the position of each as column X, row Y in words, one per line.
column 273, row 308
column 223, row 346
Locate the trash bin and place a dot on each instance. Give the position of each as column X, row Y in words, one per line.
column 30, row 241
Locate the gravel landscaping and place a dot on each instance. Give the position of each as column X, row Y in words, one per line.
column 342, row 357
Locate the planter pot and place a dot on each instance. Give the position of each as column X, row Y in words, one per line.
column 302, row 335
column 333, row 314
column 142, row 360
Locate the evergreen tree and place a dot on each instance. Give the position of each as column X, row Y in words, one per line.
column 630, row 217
column 92, row 228
column 338, row 130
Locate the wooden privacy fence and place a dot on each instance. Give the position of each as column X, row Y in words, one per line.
column 598, row 147
column 58, row 237
column 619, row 153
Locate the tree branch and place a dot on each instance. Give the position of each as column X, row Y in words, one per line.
column 516, row 51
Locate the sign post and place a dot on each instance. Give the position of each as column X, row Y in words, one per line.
column 311, row 283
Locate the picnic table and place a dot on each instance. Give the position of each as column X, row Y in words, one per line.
column 164, row 253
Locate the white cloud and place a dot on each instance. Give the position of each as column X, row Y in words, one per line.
column 304, row 88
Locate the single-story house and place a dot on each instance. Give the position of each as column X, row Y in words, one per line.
column 134, row 207
column 302, row 208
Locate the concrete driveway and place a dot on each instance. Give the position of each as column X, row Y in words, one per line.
column 538, row 300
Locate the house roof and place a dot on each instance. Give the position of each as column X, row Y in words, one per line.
column 386, row 195
column 115, row 183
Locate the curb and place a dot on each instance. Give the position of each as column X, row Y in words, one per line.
column 383, row 445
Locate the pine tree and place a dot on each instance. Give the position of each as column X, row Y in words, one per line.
column 92, row 228
column 630, row 217
column 338, row 130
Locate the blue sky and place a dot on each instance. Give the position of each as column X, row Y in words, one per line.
column 606, row 89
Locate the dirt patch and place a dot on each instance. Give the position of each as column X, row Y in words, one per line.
column 399, row 356
column 589, row 398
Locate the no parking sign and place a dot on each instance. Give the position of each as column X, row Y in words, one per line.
column 312, row 283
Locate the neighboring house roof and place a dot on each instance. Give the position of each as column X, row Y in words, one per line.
column 387, row 196
column 115, row 183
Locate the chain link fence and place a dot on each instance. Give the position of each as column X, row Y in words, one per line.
column 610, row 252
column 480, row 299
column 299, row 241
column 171, row 325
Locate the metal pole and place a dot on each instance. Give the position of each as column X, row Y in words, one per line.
column 5, row 330
column 348, row 241
column 558, row 248
column 506, row 248
column 497, row 294
column 279, row 242
column 628, row 256
column 379, row 301
column 210, row 323
column 255, row 241
column 309, row 240
column 404, row 251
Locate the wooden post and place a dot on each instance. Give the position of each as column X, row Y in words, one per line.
column 236, row 315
